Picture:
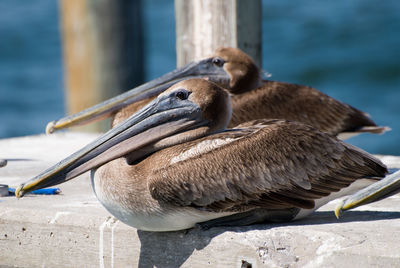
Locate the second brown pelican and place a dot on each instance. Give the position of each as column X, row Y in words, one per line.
column 173, row 165
column 252, row 98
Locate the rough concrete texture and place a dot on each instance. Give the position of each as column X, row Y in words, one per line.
column 73, row 230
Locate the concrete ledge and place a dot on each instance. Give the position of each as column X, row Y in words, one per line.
column 72, row 229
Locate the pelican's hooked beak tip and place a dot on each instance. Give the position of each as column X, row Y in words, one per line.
column 338, row 209
column 19, row 192
column 50, row 127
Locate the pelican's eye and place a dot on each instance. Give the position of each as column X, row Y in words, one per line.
column 182, row 94
column 218, row 61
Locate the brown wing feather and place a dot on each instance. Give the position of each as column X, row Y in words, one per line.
column 281, row 164
column 300, row 103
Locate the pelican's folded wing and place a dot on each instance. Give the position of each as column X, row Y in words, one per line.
column 267, row 163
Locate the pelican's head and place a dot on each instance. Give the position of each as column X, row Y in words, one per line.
column 188, row 110
column 230, row 68
column 243, row 72
column 214, row 102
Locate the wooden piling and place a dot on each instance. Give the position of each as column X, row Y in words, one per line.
column 203, row 26
column 103, row 51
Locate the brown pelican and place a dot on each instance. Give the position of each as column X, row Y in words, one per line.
column 174, row 164
column 252, row 98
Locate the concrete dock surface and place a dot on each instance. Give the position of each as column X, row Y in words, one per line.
column 72, row 229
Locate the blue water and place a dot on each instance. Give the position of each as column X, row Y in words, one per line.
column 349, row 49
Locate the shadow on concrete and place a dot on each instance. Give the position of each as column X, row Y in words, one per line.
column 19, row 159
column 172, row 249
column 328, row 217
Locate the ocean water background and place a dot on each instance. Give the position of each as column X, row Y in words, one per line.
column 349, row 49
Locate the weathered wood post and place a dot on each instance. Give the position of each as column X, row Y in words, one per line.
column 103, row 55
column 203, row 26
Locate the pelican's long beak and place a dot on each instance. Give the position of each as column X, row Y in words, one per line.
column 161, row 118
column 200, row 69
column 388, row 186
